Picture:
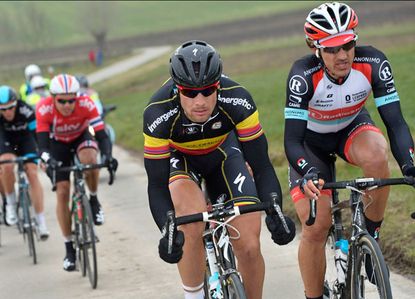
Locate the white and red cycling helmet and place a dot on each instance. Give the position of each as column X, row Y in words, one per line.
column 64, row 84
column 331, row 25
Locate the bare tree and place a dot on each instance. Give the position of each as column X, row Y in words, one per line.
column 97, row 17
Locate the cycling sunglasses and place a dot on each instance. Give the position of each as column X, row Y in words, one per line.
column 334, row 50
column 8, row 107
column 193, row 92
column 69, row 101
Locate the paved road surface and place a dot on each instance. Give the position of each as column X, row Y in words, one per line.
column 129, row 266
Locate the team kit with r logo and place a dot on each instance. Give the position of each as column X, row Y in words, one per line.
column 210, row 176
column 204, row 148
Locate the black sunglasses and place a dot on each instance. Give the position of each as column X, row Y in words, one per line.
column 63, row 102
column 11, row 106
column 193, row 92
column 334, row 50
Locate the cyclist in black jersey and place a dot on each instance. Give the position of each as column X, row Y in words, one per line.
column 325, row 114
column 17, row 138
column 201, row 124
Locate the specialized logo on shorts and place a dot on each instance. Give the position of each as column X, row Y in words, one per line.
column 298, row 85
column 240, row 179
column 221, row 198
column 173, row 162
column 302, row 163
column 385, row 71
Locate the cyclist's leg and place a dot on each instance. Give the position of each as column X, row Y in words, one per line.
column 311, row 251
column 27, row 147
column 62, row 152
column 188, row 198
column 366, row 147
column 86, row 149
column 234, row 181
column 8, row 179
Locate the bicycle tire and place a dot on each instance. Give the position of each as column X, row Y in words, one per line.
column 88, row 245
column 28, row 228
column 234, row 287
column 360, row 284
column 78, row 245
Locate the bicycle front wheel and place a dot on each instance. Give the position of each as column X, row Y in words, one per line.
column 28, row 225
column 369, row 285
column 234, row 287
column 88, row 243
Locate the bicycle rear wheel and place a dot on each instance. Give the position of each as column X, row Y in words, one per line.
column 88, row 243
column 369, row 285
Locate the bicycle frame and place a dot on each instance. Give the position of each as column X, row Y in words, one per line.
column 223, row 262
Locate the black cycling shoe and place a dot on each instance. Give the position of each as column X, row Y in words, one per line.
column 69, row 262
column 97, row 212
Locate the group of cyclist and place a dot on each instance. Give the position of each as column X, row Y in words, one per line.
column 52, row 120
column 202, row 125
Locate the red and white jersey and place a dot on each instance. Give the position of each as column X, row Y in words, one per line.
column 67, row 128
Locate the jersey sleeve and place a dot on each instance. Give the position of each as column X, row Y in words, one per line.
column 93, row 115
column 388, row 103
column 299, row 91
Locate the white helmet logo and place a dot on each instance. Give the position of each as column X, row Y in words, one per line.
column 194, row 51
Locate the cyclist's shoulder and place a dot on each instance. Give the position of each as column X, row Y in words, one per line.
column 305, row 67
column 163, row 100
column 368, row 54
column 45, row 107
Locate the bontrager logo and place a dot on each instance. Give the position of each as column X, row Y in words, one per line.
column 236, row 101
column 161, row 118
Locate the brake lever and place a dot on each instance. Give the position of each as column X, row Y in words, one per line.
column 277, row 209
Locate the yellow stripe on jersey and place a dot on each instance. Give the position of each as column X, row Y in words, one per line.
column 199, row 147
column 156, row 148
column 249, row 128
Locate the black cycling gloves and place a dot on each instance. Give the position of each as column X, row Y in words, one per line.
column 176, row 252
column 277, row 229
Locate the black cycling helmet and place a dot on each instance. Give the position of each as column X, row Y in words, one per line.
column 83, row 80
column 195, row 64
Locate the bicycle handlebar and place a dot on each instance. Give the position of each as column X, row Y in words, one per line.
column 20, row 159
column 360, row 184
column 221, row 213
column 81, row 167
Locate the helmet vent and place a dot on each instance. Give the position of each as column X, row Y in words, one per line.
column 196, row 68
column 343, row 15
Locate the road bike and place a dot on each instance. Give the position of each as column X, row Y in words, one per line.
column 83, row 230
column 348, row 257
column 222, row 279
column 26, row 224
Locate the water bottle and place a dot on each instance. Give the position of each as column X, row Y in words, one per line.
column 214, row 281
column 342, row 249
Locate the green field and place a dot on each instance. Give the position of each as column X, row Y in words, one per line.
column 263, row 67
column 40, row 24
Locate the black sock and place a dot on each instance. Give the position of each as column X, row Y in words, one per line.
column 319, row 297
column 373, row 227
column 93, row 198
column 69, row 246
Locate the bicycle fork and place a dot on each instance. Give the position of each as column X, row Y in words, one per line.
column 214, row 280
